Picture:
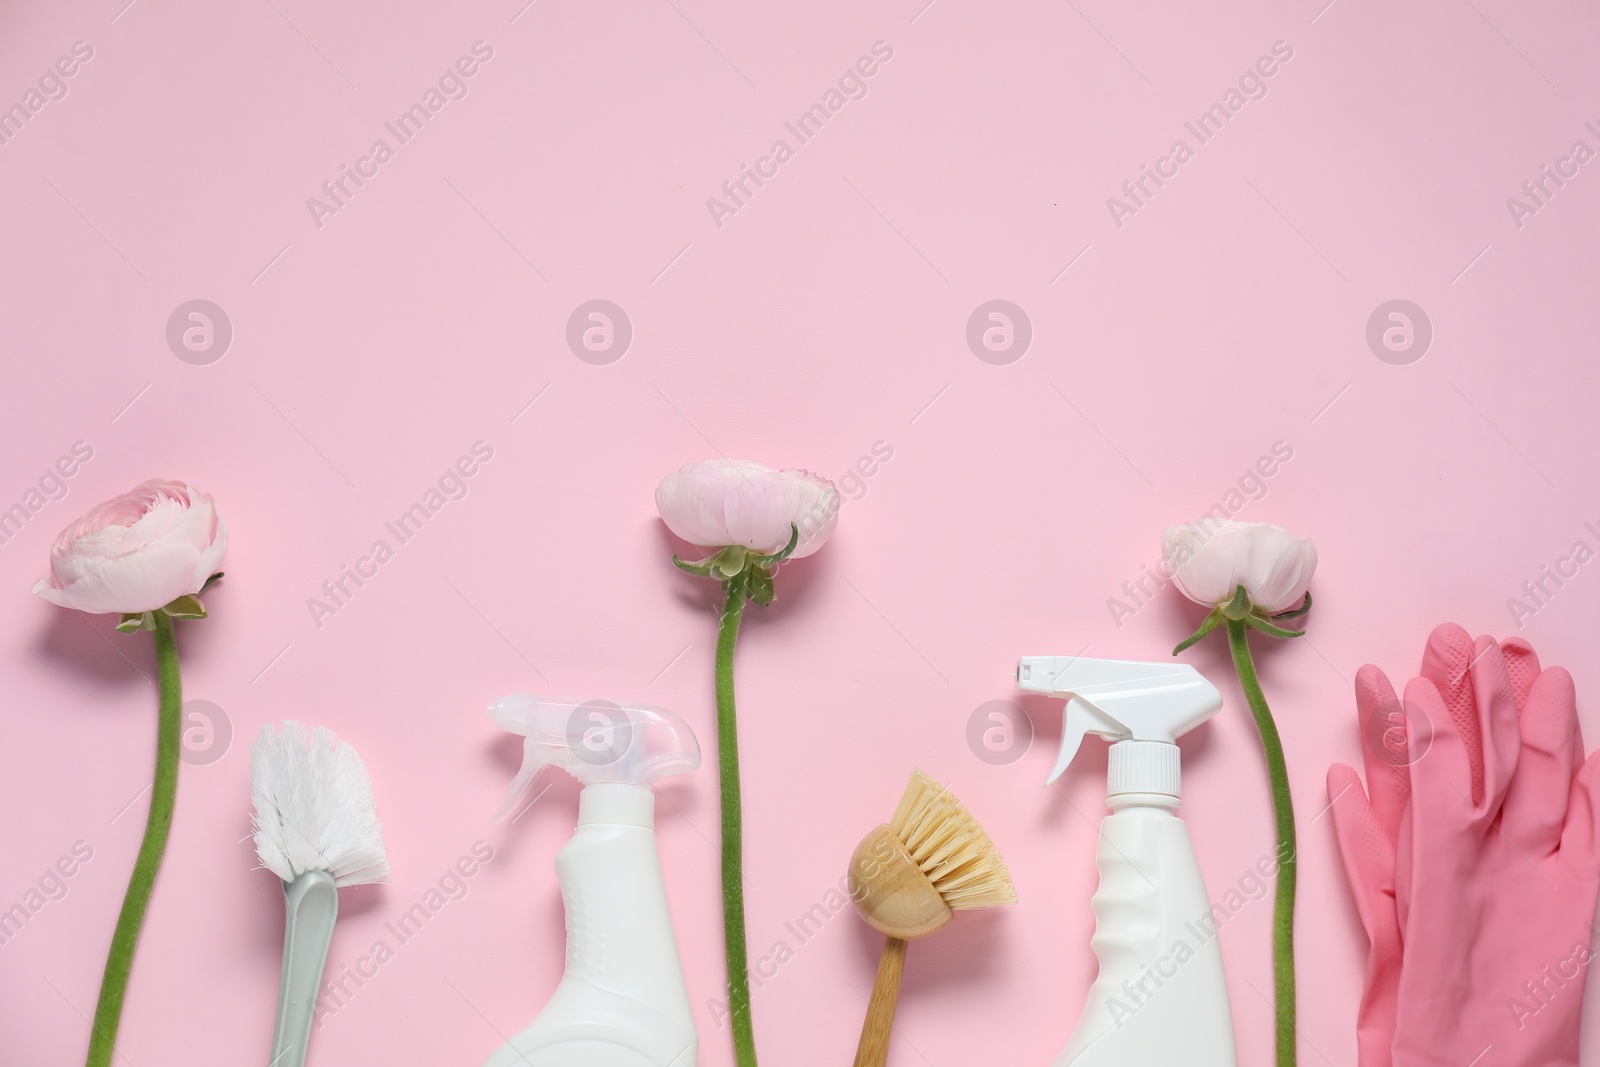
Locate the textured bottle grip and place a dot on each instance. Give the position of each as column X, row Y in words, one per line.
column 586, row 940
column 1161, row 996
column 1126, row 919
column 619, row 929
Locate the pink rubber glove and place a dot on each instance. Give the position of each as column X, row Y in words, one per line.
column 1496, row 861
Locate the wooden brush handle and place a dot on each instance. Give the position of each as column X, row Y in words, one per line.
column 873, row 1051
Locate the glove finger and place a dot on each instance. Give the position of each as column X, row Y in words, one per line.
column 1522, row 664
column 1404, row 847
column 1380, row 1002
column 1580, row 839
column 1498, row 722
column 1447, row 663
column 1441, row 780
column 1375, row 1024
column 1366, row 849
column 1368, row 859
column 1577, row 742
column 1536, row 804
column 1385, row 749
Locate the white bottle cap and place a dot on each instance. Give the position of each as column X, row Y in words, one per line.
column 617, row 804
column 1149, row 767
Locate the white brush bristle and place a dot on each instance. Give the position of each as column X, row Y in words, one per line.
column 314, row 807
column 950, row 847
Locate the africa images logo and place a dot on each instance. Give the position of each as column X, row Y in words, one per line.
column 452, row 85
column 1252, row 85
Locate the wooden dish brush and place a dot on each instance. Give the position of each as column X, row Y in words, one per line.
column 908, row 878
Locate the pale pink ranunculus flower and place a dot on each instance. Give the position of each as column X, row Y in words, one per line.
column 720, row 502
column 1209, row 560
column 137, row 552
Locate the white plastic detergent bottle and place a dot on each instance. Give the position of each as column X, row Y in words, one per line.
column 622, row 1001
column 1161, row 997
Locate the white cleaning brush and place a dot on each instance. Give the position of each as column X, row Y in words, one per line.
column 316, row 827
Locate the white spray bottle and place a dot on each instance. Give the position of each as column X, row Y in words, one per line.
column 1161, row 996
column 622, row 1001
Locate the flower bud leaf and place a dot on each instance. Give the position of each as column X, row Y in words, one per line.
column 186, row 607
column 1256, row 622
column 1211, row 623
column 760, row 588
column 133, row 622
column 1294, row 613
column 731, row 560
column 211, row 581
column 702, row 568
column 1239, row 606
column 783, row 553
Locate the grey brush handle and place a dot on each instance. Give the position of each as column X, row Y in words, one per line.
column 311, row 904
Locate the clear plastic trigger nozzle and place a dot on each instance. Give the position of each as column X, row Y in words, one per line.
column 594, row 741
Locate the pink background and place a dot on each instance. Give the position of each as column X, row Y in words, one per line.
column 827, row 315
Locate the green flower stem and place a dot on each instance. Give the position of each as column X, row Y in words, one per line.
column 1283, row 813
column 114, row 984
column 744, row 1041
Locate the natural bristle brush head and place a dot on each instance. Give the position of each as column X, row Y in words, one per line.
column 314, row 807
column 910, row 876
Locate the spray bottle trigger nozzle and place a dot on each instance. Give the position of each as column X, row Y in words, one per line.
column 1119, row 700
column 515, row 714
column 1079, row 717
column 595, row 741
